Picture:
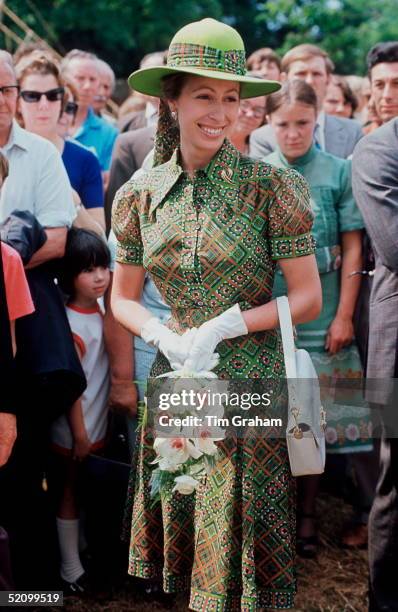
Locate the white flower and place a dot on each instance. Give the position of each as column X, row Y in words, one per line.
column 205, row 438
column 331, row 435
column 167, row 464
column 185, row 484
column 176, row 450
column 352, row 432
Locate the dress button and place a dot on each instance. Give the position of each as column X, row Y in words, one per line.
column 198, row 227
column 199, row 303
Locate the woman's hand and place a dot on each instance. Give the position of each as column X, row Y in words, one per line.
column 174, row 347
column 81, row 447
column 340, row 334
column 230, row 324
column 341, row 330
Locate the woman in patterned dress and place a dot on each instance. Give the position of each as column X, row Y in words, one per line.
column 209, row 224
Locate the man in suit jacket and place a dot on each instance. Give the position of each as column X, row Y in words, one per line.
column 375, row 185
column 334, row 135
column 128, row 155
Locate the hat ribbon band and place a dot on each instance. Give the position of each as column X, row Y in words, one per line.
column 183, row 55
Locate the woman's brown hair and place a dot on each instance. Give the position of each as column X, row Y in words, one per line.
column 37, row 63
column 172, row 85
column 4, row 168
column 348, row 94
column 292, row 91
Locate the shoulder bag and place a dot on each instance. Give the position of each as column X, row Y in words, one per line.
column 306, row 417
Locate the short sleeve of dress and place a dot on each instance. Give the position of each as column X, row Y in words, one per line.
column 350, row 218
column 290, row 216
column 126, row 225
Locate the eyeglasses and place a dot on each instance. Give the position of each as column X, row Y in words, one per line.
column 257, row 111
column 52, row 95
column 70, row 108
column 9, row 90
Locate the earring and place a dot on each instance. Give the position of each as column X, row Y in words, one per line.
column 174, row 114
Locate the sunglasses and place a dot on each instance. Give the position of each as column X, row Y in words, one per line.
column 52, row 95
column 70, row 108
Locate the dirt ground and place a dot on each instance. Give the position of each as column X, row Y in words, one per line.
column 335, row 582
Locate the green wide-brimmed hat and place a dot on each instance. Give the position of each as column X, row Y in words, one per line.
column 206, row 48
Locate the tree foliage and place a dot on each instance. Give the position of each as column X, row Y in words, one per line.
column 122, row 31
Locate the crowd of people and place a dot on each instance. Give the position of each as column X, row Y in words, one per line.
column 135, row 244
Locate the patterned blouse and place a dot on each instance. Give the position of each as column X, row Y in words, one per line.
column 212, row 240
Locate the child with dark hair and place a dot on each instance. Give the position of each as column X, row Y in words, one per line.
column 85, row 278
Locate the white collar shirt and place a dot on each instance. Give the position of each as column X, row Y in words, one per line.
column 37, row 180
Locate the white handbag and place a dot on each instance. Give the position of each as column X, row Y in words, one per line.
column 306, row 416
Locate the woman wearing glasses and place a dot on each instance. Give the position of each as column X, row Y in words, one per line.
column 42, row 104
column 251, row 116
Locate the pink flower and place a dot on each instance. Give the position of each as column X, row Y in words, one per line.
column 352, row 432
column 331, row 435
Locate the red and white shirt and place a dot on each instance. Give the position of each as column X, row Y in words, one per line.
column 88, row 334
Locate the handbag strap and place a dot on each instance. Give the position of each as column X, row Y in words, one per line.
column 286, row 327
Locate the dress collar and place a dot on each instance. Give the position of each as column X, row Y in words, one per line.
column 221, row 172
column 299, row 162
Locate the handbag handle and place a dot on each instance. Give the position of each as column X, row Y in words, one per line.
column 286, row 327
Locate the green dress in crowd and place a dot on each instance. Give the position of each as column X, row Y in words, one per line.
column 335, row 211
column 209, row 242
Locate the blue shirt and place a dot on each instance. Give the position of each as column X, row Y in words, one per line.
column 84, row 173
column 99, row 136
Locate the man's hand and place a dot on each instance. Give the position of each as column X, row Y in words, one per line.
column 53, row 248
column 123, row 397
column 8, row 434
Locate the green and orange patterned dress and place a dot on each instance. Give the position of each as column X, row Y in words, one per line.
column 209, row 242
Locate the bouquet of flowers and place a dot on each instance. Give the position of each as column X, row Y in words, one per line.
column 187, row 454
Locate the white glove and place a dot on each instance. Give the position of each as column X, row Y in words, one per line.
column 174, row 347
column 230, row 324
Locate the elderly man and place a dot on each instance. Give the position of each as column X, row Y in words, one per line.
column 375, row 185
column 105, row 90
column 334, row 135
column 91, row 131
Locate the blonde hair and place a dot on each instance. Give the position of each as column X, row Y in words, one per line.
column 303, row 53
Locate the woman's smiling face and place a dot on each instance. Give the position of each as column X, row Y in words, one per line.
column 207, row 111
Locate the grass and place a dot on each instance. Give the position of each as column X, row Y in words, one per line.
column 334, row 582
